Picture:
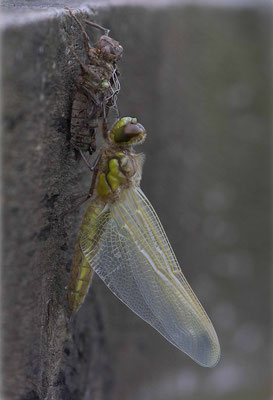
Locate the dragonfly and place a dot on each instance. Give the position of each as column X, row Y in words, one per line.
column 122, row 240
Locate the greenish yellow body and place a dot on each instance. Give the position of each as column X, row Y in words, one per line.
column 82, row 273
column 123, row 241
column 118, row 168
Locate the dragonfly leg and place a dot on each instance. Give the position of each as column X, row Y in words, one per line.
column 86, row 39
column 65, row 213
column 93, row 144
column 104, row 30
column 104, row 123
column 78, row 196
column 82, row 65
column 83, row 156
column 91, row 190
column 97, row 160
column 92, row 187
column 95, row 174
column 92, row 95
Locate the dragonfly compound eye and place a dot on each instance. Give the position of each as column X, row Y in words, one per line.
column 127, row 131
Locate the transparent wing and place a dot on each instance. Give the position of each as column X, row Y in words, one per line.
column 135, row 260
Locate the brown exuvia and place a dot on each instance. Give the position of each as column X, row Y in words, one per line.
column 97, row 87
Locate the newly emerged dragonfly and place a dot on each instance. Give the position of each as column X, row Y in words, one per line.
column 123, row 241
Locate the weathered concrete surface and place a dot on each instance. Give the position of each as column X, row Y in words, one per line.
column 40, row 177
column 197, row 79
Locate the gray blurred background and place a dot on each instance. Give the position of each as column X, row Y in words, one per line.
column 201, row 85
column 199, row 78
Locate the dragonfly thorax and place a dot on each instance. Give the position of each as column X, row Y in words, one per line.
column 118, row 170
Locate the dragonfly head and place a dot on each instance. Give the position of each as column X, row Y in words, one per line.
column 110, row 49
column 127, row 131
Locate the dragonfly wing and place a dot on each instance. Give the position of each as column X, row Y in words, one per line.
column 135, row 260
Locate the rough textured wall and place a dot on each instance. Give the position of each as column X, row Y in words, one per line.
column 197, row 78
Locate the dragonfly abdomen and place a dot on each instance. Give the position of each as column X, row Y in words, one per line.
column 82, row 272
column 81, row 277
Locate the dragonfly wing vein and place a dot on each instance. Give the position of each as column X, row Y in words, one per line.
column 135, row 260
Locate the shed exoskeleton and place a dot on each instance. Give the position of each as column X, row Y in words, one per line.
column 97, row 86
